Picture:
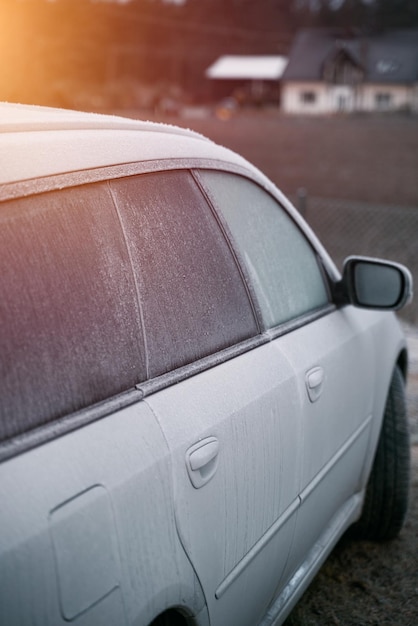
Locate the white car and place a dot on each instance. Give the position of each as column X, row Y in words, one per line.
column 195, row 405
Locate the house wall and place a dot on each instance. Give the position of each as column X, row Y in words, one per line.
column 295, row 98
column 318, row 98
column 386, row 97
column 414, row 103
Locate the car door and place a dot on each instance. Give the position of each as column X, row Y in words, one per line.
column 328, row 350
column 332, row 359
column 224, row 397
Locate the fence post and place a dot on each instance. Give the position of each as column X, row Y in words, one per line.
column 302, row 195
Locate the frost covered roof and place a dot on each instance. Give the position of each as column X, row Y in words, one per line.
column 41, row 141
column 247, row 67
column 390, row 57
column 27, row 117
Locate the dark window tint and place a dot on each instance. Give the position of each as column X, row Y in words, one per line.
column 281, row 263
column 67, row 307
column 192, row 296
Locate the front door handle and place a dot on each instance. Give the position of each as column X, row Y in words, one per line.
column 314, row 383
column 202, row 461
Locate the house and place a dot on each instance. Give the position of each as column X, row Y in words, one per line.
column 252, row 79
column 330, row 72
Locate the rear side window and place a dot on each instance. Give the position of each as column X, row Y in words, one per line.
column 191, row 293
column 281, row 263
column 69, row 334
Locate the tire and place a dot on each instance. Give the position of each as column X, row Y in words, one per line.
column 170, row 618
column 387, row 492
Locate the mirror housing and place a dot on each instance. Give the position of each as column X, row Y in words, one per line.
column 375, row 284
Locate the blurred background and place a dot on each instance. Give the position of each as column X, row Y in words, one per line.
column 322, row 95
column 136, row 53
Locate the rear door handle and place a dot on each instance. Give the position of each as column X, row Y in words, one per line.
column 202, row 461
column 314, row 383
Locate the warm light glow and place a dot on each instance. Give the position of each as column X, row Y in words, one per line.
column 48, row 49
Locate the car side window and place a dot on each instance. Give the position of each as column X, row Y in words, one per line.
column 280, row 261
column 192, row 296
column 70, row 334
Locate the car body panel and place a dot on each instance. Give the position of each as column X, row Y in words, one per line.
column 77, row 540
column 336, row 425
column 75, row 141
column 237, row 528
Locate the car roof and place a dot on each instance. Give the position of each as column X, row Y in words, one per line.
column 26, row 117
column 38, row 141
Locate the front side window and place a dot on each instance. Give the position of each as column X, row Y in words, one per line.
column 281, row 263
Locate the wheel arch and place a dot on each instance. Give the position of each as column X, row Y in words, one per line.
column 180, row 616
column 387, row 493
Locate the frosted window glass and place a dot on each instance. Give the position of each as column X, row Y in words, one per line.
column 280, row 261
column 69, row 323
column 192, row 295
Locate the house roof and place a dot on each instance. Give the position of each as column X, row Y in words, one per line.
column 390, row 57
column 233, row 67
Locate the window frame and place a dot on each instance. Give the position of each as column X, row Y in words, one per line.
column 73, row 421
column 49, row 430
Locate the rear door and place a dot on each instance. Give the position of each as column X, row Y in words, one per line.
column 233, row 442
column 225, row 401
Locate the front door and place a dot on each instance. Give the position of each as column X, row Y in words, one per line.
column 343, row 99
column 331, row 359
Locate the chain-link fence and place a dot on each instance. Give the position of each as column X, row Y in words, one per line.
column 346, row 228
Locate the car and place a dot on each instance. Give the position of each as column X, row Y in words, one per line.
column 196, row 404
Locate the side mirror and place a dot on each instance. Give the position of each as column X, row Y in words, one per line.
column 375, row 284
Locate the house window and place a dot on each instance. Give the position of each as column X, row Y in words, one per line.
column 308, row 97
column 383, row 100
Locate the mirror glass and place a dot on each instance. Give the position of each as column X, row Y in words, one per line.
column 377, row 285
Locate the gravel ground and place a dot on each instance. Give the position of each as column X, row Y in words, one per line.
column 372, row 584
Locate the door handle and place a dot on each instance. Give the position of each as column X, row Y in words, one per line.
column 314, row 383
column 202, row 461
